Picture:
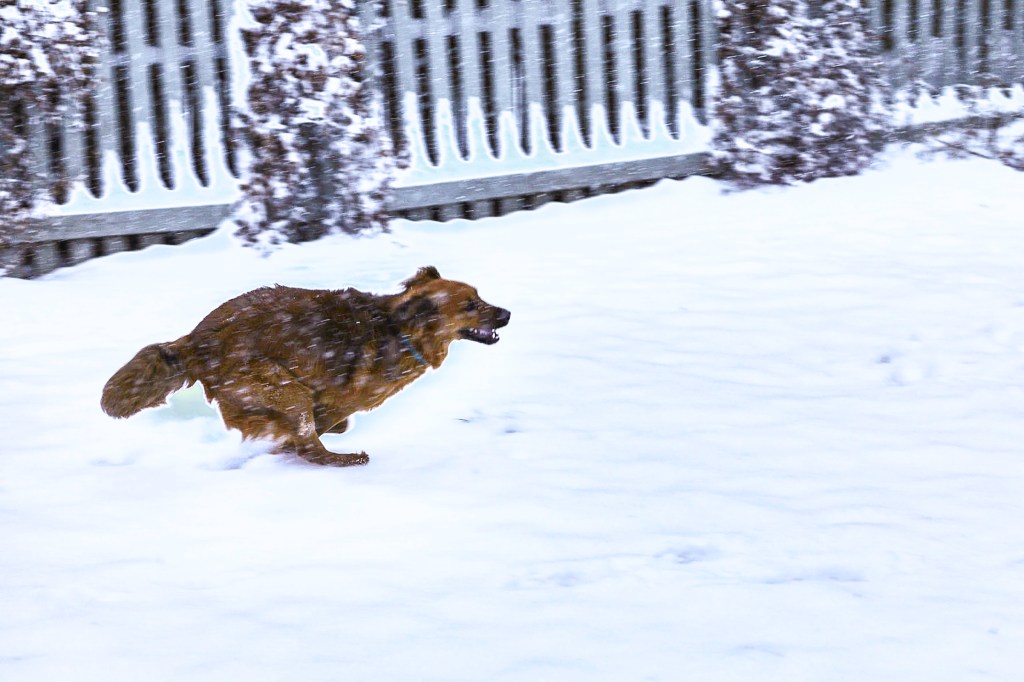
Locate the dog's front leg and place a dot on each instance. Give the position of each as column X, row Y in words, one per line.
column 306, row 444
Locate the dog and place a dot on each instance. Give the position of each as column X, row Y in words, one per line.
column 288, row 365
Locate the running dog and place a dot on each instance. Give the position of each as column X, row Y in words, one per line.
column 289, row 365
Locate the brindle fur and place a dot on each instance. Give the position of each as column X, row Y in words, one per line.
column 289, row 364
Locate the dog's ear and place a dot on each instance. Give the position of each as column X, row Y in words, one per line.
column 422, row 276
column 417, row 311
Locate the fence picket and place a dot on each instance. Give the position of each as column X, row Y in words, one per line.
column 533, row 69
column 929, row 49
column 202, row 41
column 678, row 34
column 564, row 68
column 620, row 24
column 995, row 39
column 72, row 143
column 108, row 108
column 901, row 44
column 708, row 56
column 496, row 18
column 594, row 75
column 971, row 30
column 404, row 28
column 654, row 62
column 950, row 58
column 436, row 33
column 467, row 28
column 169, row 70
column 139, row 96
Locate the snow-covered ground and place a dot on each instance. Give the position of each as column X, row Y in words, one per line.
column 775, row 435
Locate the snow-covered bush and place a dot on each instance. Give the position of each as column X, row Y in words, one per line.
column 320, row 159
column 801, row 97
column 49, row 50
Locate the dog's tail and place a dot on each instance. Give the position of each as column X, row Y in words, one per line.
column 155, row 372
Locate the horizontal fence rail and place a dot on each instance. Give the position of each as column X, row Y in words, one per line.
column 500, row 104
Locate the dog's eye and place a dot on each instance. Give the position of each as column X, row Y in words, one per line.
column 470, row 306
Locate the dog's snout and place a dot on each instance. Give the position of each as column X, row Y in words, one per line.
column 501, row 316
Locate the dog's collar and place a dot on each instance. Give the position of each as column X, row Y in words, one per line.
column 412, row 350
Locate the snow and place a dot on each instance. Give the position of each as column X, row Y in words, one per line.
column 772, row 435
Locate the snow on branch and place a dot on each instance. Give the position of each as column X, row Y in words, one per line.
column 801, row 97
column 993, row 113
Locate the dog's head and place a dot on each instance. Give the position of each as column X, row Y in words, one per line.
column 448, row 309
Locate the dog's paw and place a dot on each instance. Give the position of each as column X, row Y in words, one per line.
column 334, row 459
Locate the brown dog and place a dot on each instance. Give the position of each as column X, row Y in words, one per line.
column 291, row 364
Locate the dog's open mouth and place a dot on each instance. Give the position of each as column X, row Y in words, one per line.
column 480, row 335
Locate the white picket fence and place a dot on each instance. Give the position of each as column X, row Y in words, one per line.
column 502, row 105
column 506, row 104
column 156, row 163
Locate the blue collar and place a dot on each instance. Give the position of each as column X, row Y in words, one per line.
column 412, row 351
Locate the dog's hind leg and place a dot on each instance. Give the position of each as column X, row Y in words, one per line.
column 271, row 404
